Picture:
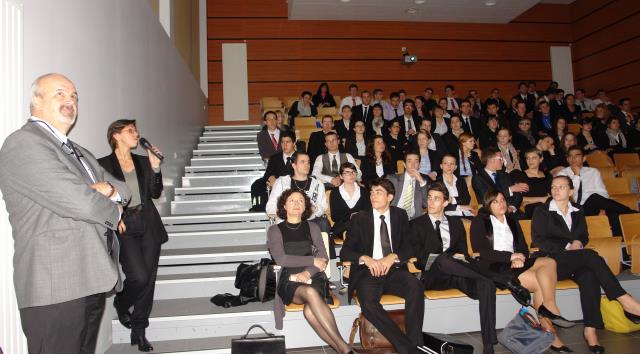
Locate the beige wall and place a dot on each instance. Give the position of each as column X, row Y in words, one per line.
column 186, row 33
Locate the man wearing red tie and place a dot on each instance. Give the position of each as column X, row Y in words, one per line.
column 353, row 99
column 269, row 136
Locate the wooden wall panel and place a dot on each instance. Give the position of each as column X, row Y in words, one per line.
column 618, row 32
column 332, row 49
column 545, row 13
column 611, row 13
column 623, row 76
column 608, row 59
column 583, row 8
column 247, row 8
column 247, row 28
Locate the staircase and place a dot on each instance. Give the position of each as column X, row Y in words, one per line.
column 210, row 233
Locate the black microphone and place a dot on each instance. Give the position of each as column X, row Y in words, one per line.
column 147, row 145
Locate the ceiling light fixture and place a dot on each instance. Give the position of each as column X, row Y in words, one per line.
column 411, row 10
column 420, row 2
column 490, row 2
column 345, row 0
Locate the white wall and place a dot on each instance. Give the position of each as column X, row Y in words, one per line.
column 562, row 67
column 11, row 33
column 124, row 66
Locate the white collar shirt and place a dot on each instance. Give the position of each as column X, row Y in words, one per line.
column 502, row 235
column 377, row 244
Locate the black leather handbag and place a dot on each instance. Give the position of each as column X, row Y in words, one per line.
column 267, row 344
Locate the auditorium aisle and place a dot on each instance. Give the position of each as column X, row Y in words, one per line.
column 210, row 233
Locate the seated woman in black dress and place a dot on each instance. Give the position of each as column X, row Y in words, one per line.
column 497, row 236
column 559, row 229
column 539, row 181
column 459, row 197
column 347, row 199
column 356, row 143
column 552, row 159
column 378, row 162
column 588, row 139
column 296, row 245
column 396, row 143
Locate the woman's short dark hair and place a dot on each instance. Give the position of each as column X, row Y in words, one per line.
column 488, row 198
column 306, row 93
column 346, row 165
column 282, row 200
column 566, row 178
column 533, row 150
column 117, row 127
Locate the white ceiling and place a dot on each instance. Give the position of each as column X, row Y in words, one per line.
column 459, row 11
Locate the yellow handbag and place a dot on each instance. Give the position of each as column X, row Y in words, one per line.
column 614, row 318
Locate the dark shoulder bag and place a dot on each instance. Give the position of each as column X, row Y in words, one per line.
column 265, row 344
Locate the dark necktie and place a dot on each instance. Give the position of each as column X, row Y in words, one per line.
column 385, row 242
column 495, row 178
column 439, row 234
column 334, row 165
column 579, row 193
column 467, row 125
column 288, row 164
column 364, row 115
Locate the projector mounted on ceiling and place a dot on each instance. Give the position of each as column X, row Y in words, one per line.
column 408, row 59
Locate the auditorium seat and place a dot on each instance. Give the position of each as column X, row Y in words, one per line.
column 400, row 166
column 573, row 128
column 626, row 160
column 608, row 172
column 602, row 241
column 303, row 122
column 599, row 159
column 630, row 224
column 326, row 111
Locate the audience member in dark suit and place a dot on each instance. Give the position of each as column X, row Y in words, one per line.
column 378, row 246
column 589, row 139
column 323, row 97
column 439, row 124
column 378, row 163
column 364, row 111
column 455, row 130
column 408, row 124
column 436, row 142
column 494, row 110
column 559, row 229
column 302, row 108
column 557, row 103
column 437, row 234
column 396, row 143
column 518, row 113
column 524, row 138
column 498, row 237
column 344, row 126
column 453, row 103
column 279, row 165
column 356, row 144
column 347, row 199
column 492, row 177
column 570, row 110
column 316, row 145
column 497, row 100
column 268, row 138
column 457, row 186
column 524, row 96
column 410, row 187
column 429, row 158
column 543, row 120
column 467, row 158
column 488, row 135
column 470, row 124
column 139, row 249
column 377, row 125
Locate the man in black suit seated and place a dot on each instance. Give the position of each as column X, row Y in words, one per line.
column 316, row 145
column 443, row 237
column 495, row 98
column 470, row 124
column 494, row 110
column 493, row 177
column 364, row 111
column 344, row 126
column 408, row 123
column 524, row 96
column 268, row 138
column 279, row 165
column 379, row 245
column 453, row 102
column 429, row 102
column 543, row 120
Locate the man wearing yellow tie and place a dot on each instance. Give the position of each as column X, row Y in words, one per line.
column 411, row 187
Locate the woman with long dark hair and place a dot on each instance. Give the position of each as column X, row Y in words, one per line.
column 497, row 236
column 144, row 231
column 323, row 98
column 378, row 162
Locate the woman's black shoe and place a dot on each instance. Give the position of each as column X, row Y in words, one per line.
column 142, row 342
column 520, row 293
column 633, row 318
column 562, row 349
column 555, row 319
column 597, row 349
column 124, row 317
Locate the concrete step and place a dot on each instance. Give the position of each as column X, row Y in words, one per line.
column 244, row 236
column 211, row 255
column 234, row 151
column 228, row 167
column 225, row 160
column 182, row 286
column 230, row 133
column 190, row 318
column 191, row 191
column 221, row 195
column 215, row 222
column 220, row 179
column 214, row 345
column 221, row 203
column 227, row 145
column 229, row 138
column 219, row 128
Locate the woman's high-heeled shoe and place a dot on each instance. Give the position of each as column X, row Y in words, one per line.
column 633, row 318
column 562, row 349
column 555, row 319
column 142, row 342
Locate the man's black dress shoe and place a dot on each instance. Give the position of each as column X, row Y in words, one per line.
column 124, row 317
column 520, row 293
column 555, row 319
column 633, row 318
column 562, row 349
column 142, row 342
